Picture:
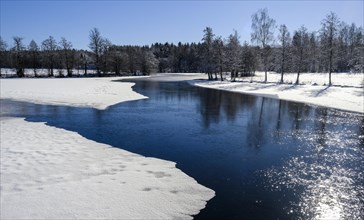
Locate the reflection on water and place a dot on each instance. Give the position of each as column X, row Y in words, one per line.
column 265, row 158
column 327, row 178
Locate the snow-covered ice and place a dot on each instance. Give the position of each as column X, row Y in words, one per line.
column 346, row 93
column 51, row 173
column 81, row 92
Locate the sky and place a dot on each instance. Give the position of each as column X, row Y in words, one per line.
column 147, row 22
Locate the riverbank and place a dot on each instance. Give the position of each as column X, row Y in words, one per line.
column 346, row 93
column 52, row 173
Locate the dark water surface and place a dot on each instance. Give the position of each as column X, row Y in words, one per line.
column 264, row 158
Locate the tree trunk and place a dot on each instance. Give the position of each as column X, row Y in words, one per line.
column 265, row 77
column 298, row 77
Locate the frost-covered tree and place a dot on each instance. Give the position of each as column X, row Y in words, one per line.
column 233, row 54
column 149, row 62
column 33, row 49
column 67, row 55
column 328, row 35
column 18, row 54
column 49, row 47
column 300, row 48
column 284, row 39
column 263, row 29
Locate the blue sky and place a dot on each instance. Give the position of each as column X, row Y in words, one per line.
column 147, row 22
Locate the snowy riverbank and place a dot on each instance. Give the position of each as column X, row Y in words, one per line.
column 96, row 93
column 51, row 173
column 346, row 93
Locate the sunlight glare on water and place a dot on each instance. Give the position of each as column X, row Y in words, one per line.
column 327, row 178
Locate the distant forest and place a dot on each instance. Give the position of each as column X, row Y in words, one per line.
column 336, row 47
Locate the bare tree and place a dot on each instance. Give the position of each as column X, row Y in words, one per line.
column 18, row 50
column 66, row 47
column 49, row 46
column 263, row 27
column 328, row 34
column 284, row 38
column 34, row 53
column 96, row 47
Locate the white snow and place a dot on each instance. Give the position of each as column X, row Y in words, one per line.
column 51, row 173
column 81, row 92
column 346, row 93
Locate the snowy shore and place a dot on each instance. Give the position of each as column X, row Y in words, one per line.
column 96, row 93
column 347, row 92
column 51, row 173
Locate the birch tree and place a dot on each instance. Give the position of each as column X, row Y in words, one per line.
column 263, row 28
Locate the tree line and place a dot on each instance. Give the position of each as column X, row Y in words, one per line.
column 336, row 47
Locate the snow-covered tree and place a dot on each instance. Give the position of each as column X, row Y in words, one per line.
column 149, row 62
column 263, row 29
